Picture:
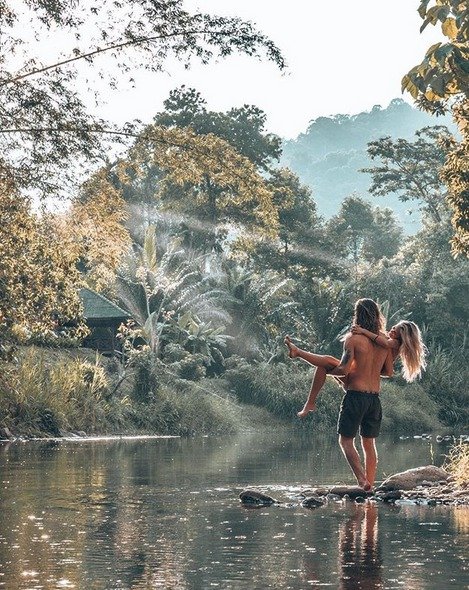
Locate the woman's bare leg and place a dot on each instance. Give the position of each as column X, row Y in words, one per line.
column 317, row 360
column 316, row 386
column 323, row 364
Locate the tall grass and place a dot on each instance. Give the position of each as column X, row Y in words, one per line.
column 457, row 463
column 446, row 381
column 283, row 389
column 49, row 392
column 408, row 408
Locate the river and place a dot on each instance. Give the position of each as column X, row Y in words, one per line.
column 164, row 513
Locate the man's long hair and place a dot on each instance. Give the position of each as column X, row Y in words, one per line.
column 368, row 315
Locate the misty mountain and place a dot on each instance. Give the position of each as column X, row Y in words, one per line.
column 329, row 155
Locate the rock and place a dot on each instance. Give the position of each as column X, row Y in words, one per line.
column 333, row 497
column 313, row 502
column 315, row 492
column 5, row 433
column 256, row 497
column 389, row 496
column 461, row 493
column 431, row 502
column 408, row 480
column 351, row 491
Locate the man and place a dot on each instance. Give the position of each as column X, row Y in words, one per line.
column 362, row 364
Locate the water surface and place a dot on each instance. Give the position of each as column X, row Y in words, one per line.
column 164, row 513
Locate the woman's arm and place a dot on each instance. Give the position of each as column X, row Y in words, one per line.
column 380, row 338
column 388, row 366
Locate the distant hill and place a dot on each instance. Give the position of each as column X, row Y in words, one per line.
column 329, row 155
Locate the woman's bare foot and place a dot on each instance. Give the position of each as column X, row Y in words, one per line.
column 292, row 349
column 306, row 410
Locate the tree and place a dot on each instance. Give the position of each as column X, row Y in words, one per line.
column 243, row 128
column 444, row 71
column 299, row 227
column 165, row 291
column 95, row 226
column 412, row 169
column 45, row 126
column 384, row 237
column 205, row 181
column 455, row 174
column 38, row 277
column 351, row 226
column 442, row 80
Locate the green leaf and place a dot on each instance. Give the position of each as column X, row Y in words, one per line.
column 409, row 86
column 422, row 10
column 438, row 85
column 442, row 53
column 432, row 49
column 149, row 247
column 425, row 24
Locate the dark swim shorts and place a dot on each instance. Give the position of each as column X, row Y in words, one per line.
column 360, row 409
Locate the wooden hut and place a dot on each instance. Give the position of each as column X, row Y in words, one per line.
column 103, row 318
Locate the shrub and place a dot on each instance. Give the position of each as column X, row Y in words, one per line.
column 191, row 368
column 408, row 408
column 446, row 382
column 146, row 376
column 457, row 463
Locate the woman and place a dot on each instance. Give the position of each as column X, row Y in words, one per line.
column 404, row 339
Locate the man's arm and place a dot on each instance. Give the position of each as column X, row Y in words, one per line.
column 347, row 358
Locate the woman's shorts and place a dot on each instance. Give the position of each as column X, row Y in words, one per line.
column 360, row 410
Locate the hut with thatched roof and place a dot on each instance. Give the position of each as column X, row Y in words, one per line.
column 103, row 318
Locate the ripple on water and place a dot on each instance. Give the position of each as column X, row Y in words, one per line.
column 165, row 514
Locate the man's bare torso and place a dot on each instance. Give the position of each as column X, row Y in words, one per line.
column 369, row 359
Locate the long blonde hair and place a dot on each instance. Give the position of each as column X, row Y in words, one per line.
column 412, row 350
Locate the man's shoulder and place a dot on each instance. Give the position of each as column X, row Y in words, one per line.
column 354, row 338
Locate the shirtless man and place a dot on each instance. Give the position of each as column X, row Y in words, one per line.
column 361, row 366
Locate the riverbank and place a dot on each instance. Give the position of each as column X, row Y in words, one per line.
column 51, row 392
column 75, row 392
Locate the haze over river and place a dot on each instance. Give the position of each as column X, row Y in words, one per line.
column 164, row 513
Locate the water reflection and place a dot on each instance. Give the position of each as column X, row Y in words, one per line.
column 164, row 514
column 360, row 549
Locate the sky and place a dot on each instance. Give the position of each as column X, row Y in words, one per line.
column 343, row 57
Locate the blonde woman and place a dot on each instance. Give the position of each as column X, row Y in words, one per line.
column 405, row 341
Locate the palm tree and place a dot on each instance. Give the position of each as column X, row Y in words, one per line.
column 159, row 290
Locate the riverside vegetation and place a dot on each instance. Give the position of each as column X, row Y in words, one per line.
column 214, row 250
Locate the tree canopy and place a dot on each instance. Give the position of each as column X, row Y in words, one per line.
column 45, row 125
column 441, row 81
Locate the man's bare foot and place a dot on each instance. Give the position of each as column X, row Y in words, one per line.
column 365, row 484
column 292, row 349
column 306, row 410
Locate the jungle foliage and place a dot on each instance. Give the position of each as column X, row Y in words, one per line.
column 214, row 249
